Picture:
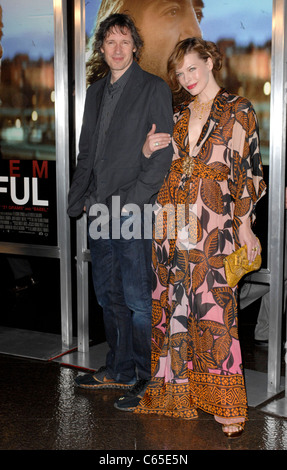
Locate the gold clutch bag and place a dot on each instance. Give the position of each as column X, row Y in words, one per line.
column 236, row 265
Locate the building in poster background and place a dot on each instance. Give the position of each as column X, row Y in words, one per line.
column 28, row 212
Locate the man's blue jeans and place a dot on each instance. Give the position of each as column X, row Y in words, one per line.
column 122, row 273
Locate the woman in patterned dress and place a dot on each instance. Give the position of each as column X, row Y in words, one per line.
column 204, row 212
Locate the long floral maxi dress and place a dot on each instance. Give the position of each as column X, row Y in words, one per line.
column 196, row 357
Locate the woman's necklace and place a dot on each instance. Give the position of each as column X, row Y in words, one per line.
column 201, row 108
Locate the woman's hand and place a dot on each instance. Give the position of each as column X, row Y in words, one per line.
column 248, row 238
column 155, row 141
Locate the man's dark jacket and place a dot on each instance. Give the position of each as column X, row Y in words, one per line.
column 122, row 169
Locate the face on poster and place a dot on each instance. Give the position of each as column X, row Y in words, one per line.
column 163, row 23
column 27, row 130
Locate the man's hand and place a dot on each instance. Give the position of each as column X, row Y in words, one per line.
column 155, row 141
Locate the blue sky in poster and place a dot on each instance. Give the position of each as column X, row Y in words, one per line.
column 245, row 20
column 29, row 28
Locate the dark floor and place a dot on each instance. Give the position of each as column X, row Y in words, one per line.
column 42, row 410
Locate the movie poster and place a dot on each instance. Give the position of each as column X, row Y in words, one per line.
column 27, row 201
column 242, row 30
column 27, row 123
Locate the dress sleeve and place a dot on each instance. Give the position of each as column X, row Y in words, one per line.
column 246, row 182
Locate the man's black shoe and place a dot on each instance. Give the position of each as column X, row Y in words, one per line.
column 131, row 400
column 101, row 380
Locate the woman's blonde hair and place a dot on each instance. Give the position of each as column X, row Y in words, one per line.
column 204, row 49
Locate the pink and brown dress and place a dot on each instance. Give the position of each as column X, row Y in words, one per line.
column 196, row 356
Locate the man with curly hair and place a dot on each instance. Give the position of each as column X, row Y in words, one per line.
column 121, row 109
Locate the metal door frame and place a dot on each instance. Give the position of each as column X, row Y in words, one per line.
column 83, row 255
column 276, row 212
